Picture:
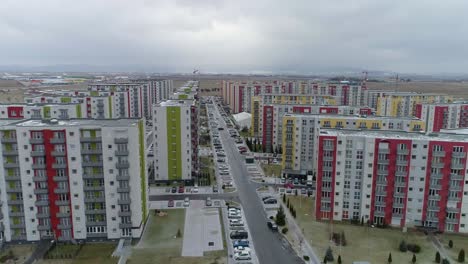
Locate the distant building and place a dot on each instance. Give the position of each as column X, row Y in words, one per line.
column 443, row 116
column 403, row 104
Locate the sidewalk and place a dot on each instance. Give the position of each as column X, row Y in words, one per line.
column 294, row 229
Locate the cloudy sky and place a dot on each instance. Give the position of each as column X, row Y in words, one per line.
column 417, row 36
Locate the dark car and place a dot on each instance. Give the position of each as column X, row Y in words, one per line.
column 174, row 189
column 270, row 201
column 240, row 243
column 272, row 226
column 181, row 189
column 170, row 203
column 239, row 235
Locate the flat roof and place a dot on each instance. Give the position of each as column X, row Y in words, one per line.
column 78, row 122
column 351, row 116
column 394, row 134
column 176, row 102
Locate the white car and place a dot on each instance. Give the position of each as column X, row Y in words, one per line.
column 236, row 222
column 240, row 249
column 234, row 215
column 243, row 255
column 195, row 190
column 186, row 202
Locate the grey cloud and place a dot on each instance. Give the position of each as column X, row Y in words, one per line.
column 421, row 36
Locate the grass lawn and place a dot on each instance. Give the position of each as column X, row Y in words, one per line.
column 244, row 134
column 363, row 243
column 459, row 242
column 96, row 253
column 271, row 170
column 207, row 166
column 20, row 252
column 159, row 244
column 63, row 249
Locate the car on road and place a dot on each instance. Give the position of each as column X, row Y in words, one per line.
column 239, row 235
column 272, row 225
column 170, row 203
column 244, row 255
column 220, row 128
column 208, row 201
column 241, row 243
column 174, row 189
column 186, row 202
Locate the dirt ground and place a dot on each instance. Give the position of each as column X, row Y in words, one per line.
column 457, row 89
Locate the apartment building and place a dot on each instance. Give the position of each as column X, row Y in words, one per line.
column 175, row 140
column 267, row 117
column 299, row 134
column 393, row 178
column 72, row 179
column 403, row 104
column 443, row 116
column 40, row 110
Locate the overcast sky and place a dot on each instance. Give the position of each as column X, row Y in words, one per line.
column 418, row 36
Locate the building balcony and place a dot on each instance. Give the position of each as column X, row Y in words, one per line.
column 58, row 153
column 401, row 173
column 456, row 177
column 129, row 213
column 122, row 177
column 438, row 153
column 451, row 221
column 435, row 186
column 100, row 223
column 437, row 164
column 121, row 140
column 398, row 194
column 120, row 201
column 42, row 203
column 16, row 214
column 402, row 162
column 384, row 162
column 327, row 158
column 457, row 166
column 93, row 176
column 62, row 203
column 125, row 225
column 59, row 166
column 13, row 152
column 454, row 199
column 43, row 227
column 382, row 172
column 64, row 227
column 96, row 235
column 437, row 175
column 15, row 189
column 326, row 189
column 325, row 209
column 36, row 141
column 122, row 165
column 17, row 226
column 91, row 151
column 90, row 139
column 452, row 210
column 381, row 193
column 327, row 168
column 96, row 211
column 381, row 182
column 325, row 199
column 326, row 179
column 11, row 165
column 55, row 140
column 455, row 188
column 61, row 190
column 60, row 178
column 43, row 215
column 38, row 166
column 380, row 203
column 39, row 178
column 400, row 184
column 8, row 140
column 433, row 208
column 379, row 213
column 37, row 153
column 94, row 200
column 458, row 154
column 402, row 151
column 41, row 191
column 63, row 214
column 384, row 151
column 397, row 215
column 91, row 164
column 93, row 188
column 121, row 153
column 123, row 189
column 434, row 197
column 327, row 147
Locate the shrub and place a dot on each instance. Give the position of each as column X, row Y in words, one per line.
column 413, row 248
column 413, row 259
column 389, row 260
column 437, row 257
column 329, row 254
column 461, row 256
column 445, row 261
column 284, row 230
column 339, row 259
column 306, row 258
column 450, row 244
column 280, row 217
column 403, row 247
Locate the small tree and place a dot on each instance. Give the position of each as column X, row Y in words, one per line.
column 437, row 257
column 450, row 244
column 461, row 256
column 339, row 259
column 179, row 234
column 329, row 254
column 280, row 217
column 403, row 247
column 284, row 198
column 413, row 260
column 288, row 205
column 325, row 260
column 343, row 239
column 362, row 220
column 445, row 261
column 389, row 260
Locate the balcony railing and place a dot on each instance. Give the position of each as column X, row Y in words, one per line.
column 436, row 153
column 121, row 140
column 90, row 139
column 37, row 153
column 55, row 140
column 122, row 165
column 8, row 140
column 402, row 151
column 12, row 152
column 458, row 154
column 121, row 152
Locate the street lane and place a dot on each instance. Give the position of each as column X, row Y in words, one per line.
column 194, row 196
column 269, row 246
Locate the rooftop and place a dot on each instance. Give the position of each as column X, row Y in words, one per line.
column 125, row 122
column 181, row 102
column 371, row 117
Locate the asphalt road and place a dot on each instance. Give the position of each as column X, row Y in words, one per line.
column 269, row 246
column 192, row 196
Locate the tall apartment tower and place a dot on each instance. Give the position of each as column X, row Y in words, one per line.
column 71, row 180
column 175, row 140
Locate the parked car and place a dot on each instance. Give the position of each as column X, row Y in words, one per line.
column 283, row 180
column 272, row 225
column 303, row 191
column 241, row 249
column 195, row 189
column 215, row 189
column 181, row 189
column 239, row 235
column 244, row 255
column 186, row 202
column 234, row 215
column 174, row 189
column 208, row 201
column 241, row 243
column 270, row 201
column 236, row 222
column 170, row 203
column 266, row 197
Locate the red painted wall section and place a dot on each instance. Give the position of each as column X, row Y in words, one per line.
column 267, row 131
column 302, row 109
column 439, row 117
column 15, row 112
column 241, row 97
column 328, row 110
column 418, row 110
column 318, row 213
column 365, row 111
